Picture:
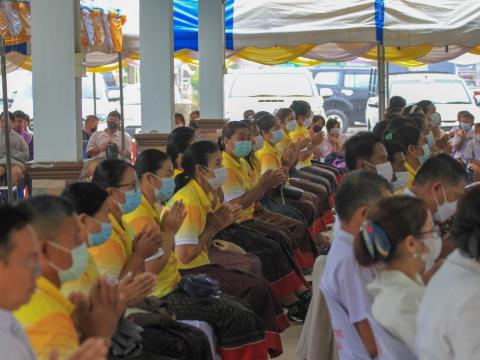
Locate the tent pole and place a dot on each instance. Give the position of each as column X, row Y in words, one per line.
column 95, row 94
column 381, row 81
column 6, row 122
column 122, row 119
column 387, row 81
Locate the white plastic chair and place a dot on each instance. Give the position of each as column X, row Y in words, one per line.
column 349, row 344
column 388, row 347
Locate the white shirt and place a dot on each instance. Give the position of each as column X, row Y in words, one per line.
column 449, row 316
column 396, row 299
column 344, row 279
column 14, row 344
column 99, row 138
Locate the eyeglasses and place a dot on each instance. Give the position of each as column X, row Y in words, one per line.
column 435, row 231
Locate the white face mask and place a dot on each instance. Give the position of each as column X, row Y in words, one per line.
column 219, row 179
column 291, row 125
column 307, row 122
column 385, row 170
column 335, row 132
column 402, row 180
column 434, row 245
column 446, row 210
column 258, row 143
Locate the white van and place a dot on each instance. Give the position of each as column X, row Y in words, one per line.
column 447, row 91
column 23, row 99
column 269, row 90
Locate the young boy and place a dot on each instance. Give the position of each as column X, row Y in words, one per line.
column 471, row 155
column 462, row 134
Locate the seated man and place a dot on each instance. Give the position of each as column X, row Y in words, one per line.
column 18, row 151
column 365, row 151
column 110, row 138
column 343, row 278
column 50, row 320
column 19, row 252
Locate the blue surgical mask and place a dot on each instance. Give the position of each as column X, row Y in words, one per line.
column 465, row 127
column 258, row 143
column 291, row 125
column 79, row 263
column 277, row 136
column 430, row 139
column 101, row 237
column 132, row 200
column 426, row 153
column 166, row 191
column 242, row 148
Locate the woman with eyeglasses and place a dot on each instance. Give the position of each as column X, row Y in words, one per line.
column 399, row 234
column 238, row 329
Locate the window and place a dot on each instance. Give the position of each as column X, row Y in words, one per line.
column 357, row 81
column 327, row 78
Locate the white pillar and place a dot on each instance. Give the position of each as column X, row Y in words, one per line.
column 56, row 89
column 156, row 65
column 211, row 44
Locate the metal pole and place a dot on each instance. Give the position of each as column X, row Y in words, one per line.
column 381, row 81
column 122, row 119
column 387, row 81
column 6, row 121
column 95, row 94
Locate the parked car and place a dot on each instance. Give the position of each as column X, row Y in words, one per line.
column 345, row 90
column 269, row 90
column 447, row 91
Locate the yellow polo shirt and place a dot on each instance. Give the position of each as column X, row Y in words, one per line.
column 198, row 204
column 282, row 144
column 269, row 158
column 84, row 282
column 238, row 183
column 48, row 323
column 297, row 135
column 145, row 215
column 411, row 174
column 176, row 172
column 111, row 256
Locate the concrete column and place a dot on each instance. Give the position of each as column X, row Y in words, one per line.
column 211, row 43
column 56, row 89
column 156, row 65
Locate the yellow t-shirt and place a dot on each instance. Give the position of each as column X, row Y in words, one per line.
column 48, row 323
column 198, row 204
column 411, row 174
column 176, row 172
column 269, row 157
column 84, row 282
column 238, row 183
column 297, row 135
column 145, row 215
column 282, row 144
column 111, row 256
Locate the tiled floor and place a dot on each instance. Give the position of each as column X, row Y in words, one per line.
column 290, row 340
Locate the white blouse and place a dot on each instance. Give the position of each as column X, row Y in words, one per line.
column 396, row 299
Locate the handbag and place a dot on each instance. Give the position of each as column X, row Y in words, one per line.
column 127, row 341
column 199, row 286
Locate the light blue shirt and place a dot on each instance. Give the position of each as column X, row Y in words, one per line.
column 14, row 344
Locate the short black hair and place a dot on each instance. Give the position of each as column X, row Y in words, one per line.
column 115, row 113
column 441, row 167
column 331, row 123
column 264, row 120
column 465, row 232
column 399, row 121
column 48, row 214
column 11, row 219
column 109, row 173
column 149, row 161
column 20, row 114
column 397, row 102
column 357, row 189
column 86, row 198
column 393, row 147
column 300, row 107
column 379, row 129
column 178, row 141
column 248, row 113
column 360, row 146
column 406, row 136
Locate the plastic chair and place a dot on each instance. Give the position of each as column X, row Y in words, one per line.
column 388, row 347
column 349, row 344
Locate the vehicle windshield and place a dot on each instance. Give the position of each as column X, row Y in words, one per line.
column 273, row 84
column 438, row 91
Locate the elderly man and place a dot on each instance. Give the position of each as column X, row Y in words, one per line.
column 50, row 320
column 19, row 267
column 18, row 151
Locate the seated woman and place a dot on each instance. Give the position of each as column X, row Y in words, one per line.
column 413, row 143
column 239, row 331
column 450, row 309
column 398, row 234
column 334, row 141
column 205, row 216
column 178, row 141
column 240, row 188
column 93, row 206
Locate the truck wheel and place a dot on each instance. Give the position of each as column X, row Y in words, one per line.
column 341, row 117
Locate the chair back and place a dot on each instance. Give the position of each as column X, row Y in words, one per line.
column 349, row 343
column 388, row 347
